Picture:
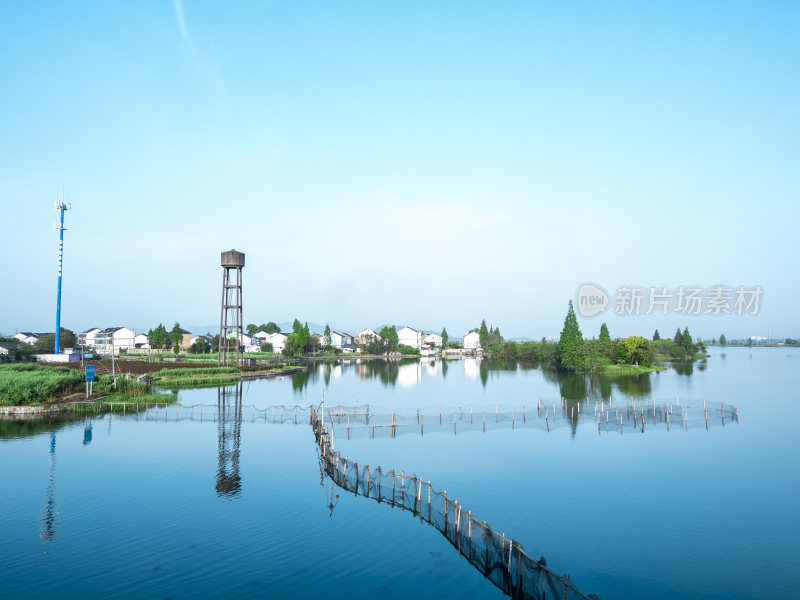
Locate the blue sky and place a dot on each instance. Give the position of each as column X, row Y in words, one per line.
column 421, row 163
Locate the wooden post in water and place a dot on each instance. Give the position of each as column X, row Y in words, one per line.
column 429, row 500
column 469, row 534
column 393, row 484
column 379, row 476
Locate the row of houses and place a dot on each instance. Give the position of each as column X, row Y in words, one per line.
column 115, row 339
column 346, row 342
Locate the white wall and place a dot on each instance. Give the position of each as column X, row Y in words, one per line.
column 409, row 337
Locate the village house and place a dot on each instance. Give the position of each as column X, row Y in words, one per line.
column 278, row 341
column 26, row 337
column 7, row 348
column 88, row 337
column 472, row 341
column 140, row 341
column 343, row 341
column 409, row 337
column 114, row 339
column 432, row 339
column 365, row 337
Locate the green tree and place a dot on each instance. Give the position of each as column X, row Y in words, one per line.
column 636, row 350
column 570, row 343
column 604, row 335
column 176, row 336
column 656, row 337
column 271, row 327
column 749, row 341
column 266, row 347
column 201, row 346
column 445, row 337
column 678, row 337
column 483, row 332
column 686, row 341
column 47, row 342
column 390, row 335
column 723, row 340
column 251, row 329
column 291, row 348
column 157, row 338
column 326, row 337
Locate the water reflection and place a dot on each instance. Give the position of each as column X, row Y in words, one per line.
column 229, row 432
column 49, row 521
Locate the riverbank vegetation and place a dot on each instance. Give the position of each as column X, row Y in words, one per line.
column 29, row 383
column 573, row 353
column 173, row 378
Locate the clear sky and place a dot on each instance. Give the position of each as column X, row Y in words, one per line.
column 428, row 163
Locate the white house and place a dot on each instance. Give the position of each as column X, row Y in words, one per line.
column 26, row 337
column 409, row 337
column 472, row 341
column 366, row 336
column 8, row 347
column 116, row 338
column 432, row 339
column 341, row 340
column 278, row 341
column 140, row 341
column 88, row 337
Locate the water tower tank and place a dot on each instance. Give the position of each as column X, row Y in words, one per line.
column 233, row 259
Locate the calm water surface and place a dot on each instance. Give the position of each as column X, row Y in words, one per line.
column 120, row 507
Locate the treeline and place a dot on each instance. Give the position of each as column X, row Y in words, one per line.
column 575, row 354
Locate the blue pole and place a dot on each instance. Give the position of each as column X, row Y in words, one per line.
column 61, row 207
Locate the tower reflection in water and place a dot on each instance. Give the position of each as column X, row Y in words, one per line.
column 229, row 430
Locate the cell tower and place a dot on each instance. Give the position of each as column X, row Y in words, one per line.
column 231, row 316
column 61, row 207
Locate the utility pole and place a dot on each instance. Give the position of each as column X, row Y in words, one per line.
column 60, row 206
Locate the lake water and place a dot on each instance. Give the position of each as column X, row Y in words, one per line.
column 120, row 506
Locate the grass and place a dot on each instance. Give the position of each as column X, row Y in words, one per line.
column 28, row 383
column 196, row 377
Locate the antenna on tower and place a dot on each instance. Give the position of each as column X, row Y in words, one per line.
column 61, row 207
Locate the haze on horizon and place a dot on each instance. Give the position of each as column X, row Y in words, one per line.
column 428, row 165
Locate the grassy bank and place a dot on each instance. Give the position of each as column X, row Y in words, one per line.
column 29, row 383
column 171, row 378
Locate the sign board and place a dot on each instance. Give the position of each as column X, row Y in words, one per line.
column 89, row 372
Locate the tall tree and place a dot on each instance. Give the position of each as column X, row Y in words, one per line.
column 678, row 337
column 390, row 335
column 605, row 336
column 445, row 337
column 571, row 342
column 723, row 341
column 251, row 329
column 271, row 327
column 176, row 335
column 157, row 338
column 686, row 341
column 483, row 334
column 656, row 337
column 326, row 337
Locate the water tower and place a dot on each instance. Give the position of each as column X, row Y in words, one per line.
column 230, row 321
